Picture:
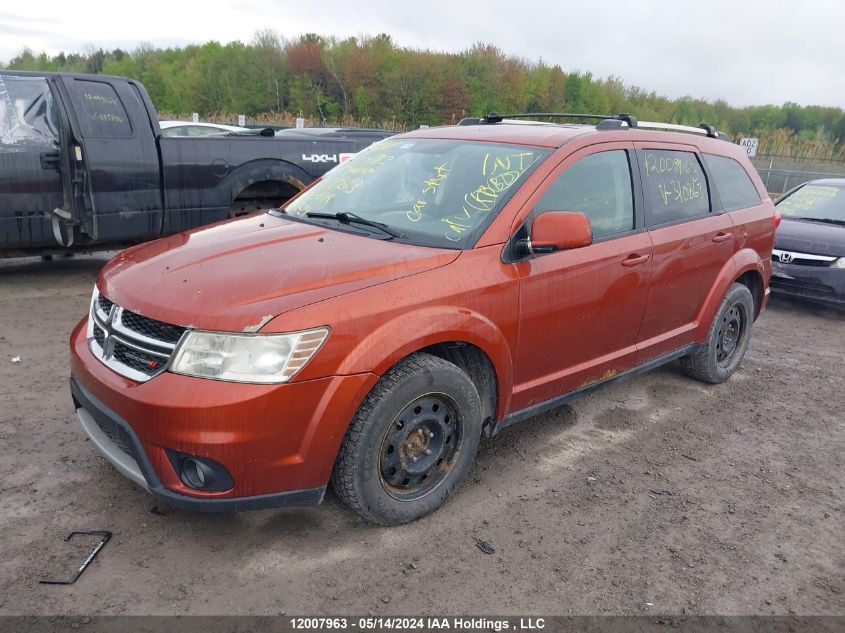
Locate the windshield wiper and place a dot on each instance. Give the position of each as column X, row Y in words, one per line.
column 345, row 217
column 825, row 220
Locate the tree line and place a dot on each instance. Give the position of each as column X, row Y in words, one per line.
column 372, row 81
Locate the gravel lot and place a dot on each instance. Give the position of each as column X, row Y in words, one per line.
column 657, row 493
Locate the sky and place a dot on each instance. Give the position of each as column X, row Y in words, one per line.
column 748, row 52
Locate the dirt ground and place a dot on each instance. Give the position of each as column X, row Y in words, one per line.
column 657, row 494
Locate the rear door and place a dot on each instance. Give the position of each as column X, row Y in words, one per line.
column 30, row 162
column 691, row 242
column 120, row 158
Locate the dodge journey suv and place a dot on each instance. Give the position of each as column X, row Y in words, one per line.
column 439, row 286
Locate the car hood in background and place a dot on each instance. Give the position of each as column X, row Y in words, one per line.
column 238, row 275
column 816, row 238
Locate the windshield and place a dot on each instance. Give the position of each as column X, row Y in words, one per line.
column 433, row 192
column 815, row 202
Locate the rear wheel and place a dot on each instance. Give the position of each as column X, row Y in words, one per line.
column 411, row 442
column 727, row 339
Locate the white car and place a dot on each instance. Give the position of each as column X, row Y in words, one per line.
column 185, row 128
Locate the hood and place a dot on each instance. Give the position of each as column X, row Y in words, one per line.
column 238, row 275
column 816, row 238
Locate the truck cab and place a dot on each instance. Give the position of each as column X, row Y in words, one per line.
column 78, row 161
column 83, row 164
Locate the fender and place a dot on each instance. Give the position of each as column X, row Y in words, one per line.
column 743, row 260
column 394, row 340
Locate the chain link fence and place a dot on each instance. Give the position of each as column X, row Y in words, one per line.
column 782, row 173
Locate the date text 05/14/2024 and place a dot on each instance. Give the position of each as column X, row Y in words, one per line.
column 417, row 623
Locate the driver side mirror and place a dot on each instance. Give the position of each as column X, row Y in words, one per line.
column 558, row 231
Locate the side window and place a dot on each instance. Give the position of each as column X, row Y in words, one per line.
column 28, row 115
column 100, row 111
column 177, row 131
column 599, row 186
column 674, row 185
column 732, row 182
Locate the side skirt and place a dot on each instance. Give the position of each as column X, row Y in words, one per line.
column 495, row 426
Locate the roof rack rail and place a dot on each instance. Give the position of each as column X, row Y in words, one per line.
column 706, row 130
column 606, row 122
column 703, row 128
column 494, row 117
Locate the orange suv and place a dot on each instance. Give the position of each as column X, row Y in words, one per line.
column 439, row 286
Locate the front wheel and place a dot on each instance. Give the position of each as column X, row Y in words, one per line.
column 727, row 338
column 411, row 442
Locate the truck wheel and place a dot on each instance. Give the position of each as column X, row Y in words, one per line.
column 410, row 443
column 727, row 338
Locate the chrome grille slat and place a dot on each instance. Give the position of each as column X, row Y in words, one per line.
column 139, row 348
column 128, row 342
column 802, row 259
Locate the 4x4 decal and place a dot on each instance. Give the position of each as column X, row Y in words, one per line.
column 328, row 158
column 320, row 158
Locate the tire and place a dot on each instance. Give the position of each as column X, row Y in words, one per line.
column 411, row 442
column 727, row 339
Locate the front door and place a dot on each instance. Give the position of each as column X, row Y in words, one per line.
column 580, row 309
column 30, row 162
column 119, row 152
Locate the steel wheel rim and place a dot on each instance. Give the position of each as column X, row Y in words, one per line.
column 420, row 447
column 730, row 334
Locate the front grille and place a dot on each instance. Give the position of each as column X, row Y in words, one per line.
column 800, row 261
column 151, row 327
column 99, row 335
column 139, row 361
column 104, row 304
column 131, row 344
column 811, row 262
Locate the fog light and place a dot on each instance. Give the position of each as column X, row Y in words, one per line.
column 196, row 474
column 200, row 473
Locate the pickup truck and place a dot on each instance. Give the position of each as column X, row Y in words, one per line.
column 83, row 165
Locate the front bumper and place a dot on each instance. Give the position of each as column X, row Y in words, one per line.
column 818, row 283
column 278, row 442
column 118, row 443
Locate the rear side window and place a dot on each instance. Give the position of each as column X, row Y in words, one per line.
column 674, row 185
column 599, row 186
column 100, row 111
column 732, row 182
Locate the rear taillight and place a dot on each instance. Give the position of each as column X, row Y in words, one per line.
column 777, row 219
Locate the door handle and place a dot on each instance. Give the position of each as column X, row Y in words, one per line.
column 721, row 236
column 50, row 160
column 635, row 260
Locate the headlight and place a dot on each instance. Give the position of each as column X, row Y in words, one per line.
column 260, row 358
column 839, row 263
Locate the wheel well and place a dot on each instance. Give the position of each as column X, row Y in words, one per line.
column 276, row 191
column 754, row 282
column 477, row 366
